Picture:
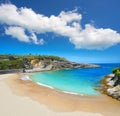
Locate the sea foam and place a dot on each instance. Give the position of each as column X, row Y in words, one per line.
column 61, row 91
column 44, row 85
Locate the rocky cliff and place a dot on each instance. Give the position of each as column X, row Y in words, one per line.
column 111, row 84
column 31, row 63
column 41, row 65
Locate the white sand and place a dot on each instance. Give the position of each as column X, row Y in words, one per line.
column 12, row 105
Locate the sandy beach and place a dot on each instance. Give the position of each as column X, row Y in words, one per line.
column 20, row 98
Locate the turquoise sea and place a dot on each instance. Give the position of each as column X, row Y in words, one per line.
column 76, row 81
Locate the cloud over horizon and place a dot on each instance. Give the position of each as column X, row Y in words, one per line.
column 68, row 24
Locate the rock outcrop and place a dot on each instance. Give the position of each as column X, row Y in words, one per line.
column 43, row 65
column 32, row 63
column 111, row 84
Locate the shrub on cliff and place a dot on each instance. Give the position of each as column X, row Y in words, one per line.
column 116, row 71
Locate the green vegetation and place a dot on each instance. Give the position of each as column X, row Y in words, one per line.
column 23, row 61
column 15, row 64
column 116, row 71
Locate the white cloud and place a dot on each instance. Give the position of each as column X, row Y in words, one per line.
column 70, row 16
column 92, row 38
column 65, row 24
column 35, row 40
column 17, row 32
column 41, row 41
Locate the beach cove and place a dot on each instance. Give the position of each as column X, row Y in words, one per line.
column 65, row 92
column 59, row 58
column 46, row 101
column 25, row 93
column 81, row 81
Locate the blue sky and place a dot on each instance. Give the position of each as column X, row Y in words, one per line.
column 79, row 30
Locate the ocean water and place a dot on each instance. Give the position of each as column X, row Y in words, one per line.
column 76, row 81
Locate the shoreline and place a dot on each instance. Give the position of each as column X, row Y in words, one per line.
column 58, row 101
column 64, row 91
column 26, row 77
column 15, row 105
column 50, row 87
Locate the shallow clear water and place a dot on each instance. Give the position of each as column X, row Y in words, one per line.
column 81, row 81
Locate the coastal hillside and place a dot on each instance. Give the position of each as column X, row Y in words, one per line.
column 31, row 63
column 25, row 61
column 112, row 84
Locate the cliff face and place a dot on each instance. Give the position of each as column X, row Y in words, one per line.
column 40, row 65
column 112, row 84
column 33, row 63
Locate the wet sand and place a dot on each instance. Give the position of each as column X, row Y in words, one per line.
column 35, row 100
